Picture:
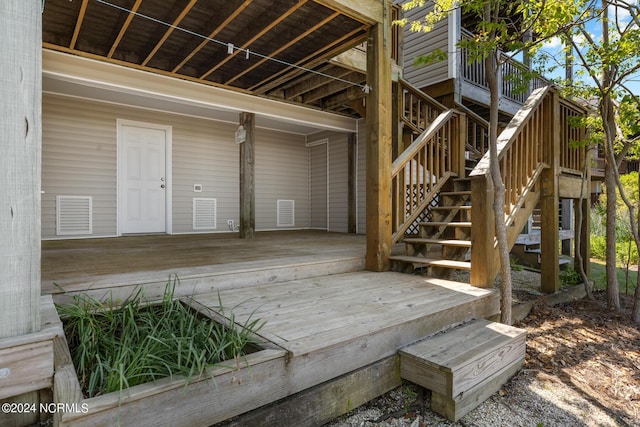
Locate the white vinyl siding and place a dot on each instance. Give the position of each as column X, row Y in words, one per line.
column 281, row 173
column 205, row 153
column 79, row 159
column 419, row 43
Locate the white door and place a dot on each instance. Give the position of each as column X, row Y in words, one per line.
column 319, row 205
column 143, row 179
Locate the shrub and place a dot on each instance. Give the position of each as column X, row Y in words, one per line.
column 118, row 347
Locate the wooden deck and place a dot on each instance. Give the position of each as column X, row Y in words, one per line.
column 203, row 262
column 328, row 323
column 332, row 343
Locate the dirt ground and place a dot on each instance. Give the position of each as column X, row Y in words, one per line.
column 582, row 368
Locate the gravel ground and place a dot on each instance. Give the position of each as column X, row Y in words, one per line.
column 529, row 399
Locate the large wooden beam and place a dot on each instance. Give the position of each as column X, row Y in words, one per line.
column 352, row 183
column 20, row 157
column 247, row 177
column 378, row 119
column 549, row 199
column 367, row 11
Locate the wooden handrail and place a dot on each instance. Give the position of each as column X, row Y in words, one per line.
column 423, row 168
column 533, row 150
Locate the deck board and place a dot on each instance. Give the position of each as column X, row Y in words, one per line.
column 304, row 316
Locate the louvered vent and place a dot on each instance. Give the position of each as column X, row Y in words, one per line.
column 286, row 213
column 74, row 215
column 204, row 213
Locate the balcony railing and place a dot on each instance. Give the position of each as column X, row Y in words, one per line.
column 514, row 82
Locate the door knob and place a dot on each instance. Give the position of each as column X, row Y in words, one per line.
column 162, row 186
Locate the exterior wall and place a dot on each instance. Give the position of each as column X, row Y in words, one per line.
column 416, row 44
column 79, row 158
column 282, row 173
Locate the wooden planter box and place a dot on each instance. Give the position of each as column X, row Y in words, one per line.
column 221, row 393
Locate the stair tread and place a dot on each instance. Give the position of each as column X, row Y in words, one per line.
column 444, row 242
column 450, row 224
column 460, row 346
column 456, row 193
column 447, row 263
column 461, row 207
column 464, row 356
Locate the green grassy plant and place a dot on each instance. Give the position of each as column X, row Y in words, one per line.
column 118, row 347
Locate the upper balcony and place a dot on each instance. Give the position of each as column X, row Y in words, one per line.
column 458, row 78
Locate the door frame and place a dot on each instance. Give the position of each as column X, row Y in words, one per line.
column 168, row 170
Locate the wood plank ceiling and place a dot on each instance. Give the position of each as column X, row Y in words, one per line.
column 189, row 39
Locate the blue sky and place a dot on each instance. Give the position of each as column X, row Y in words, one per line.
column 553, row 47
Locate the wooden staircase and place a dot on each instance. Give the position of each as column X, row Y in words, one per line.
column 443, row 166
column 443, row 244
column 443, row 214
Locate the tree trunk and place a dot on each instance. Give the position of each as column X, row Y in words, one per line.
column 492, row 68
column 635, row 313
column 609, row 125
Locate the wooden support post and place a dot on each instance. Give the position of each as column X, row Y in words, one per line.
column 583, row 226
column 20, row 160
column 483, row 234
column 379, row 119
column 567, row 223
column 247, row 177
column 459, row 145
column 353, row 155
column 549, row 199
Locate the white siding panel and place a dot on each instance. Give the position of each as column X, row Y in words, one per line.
column 282, row 172
column 416, row 44
column 78, row 159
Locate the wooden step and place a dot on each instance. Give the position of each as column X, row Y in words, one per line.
column 455, row 193
column 464, row 365
column 448, row 208
column 443, row 242
column 431, row 262
column 461, row 224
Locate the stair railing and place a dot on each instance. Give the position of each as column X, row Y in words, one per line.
column 533, row 150
column 477, row 132
column 424, row 167
column 521, row 156
column 418, row 110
